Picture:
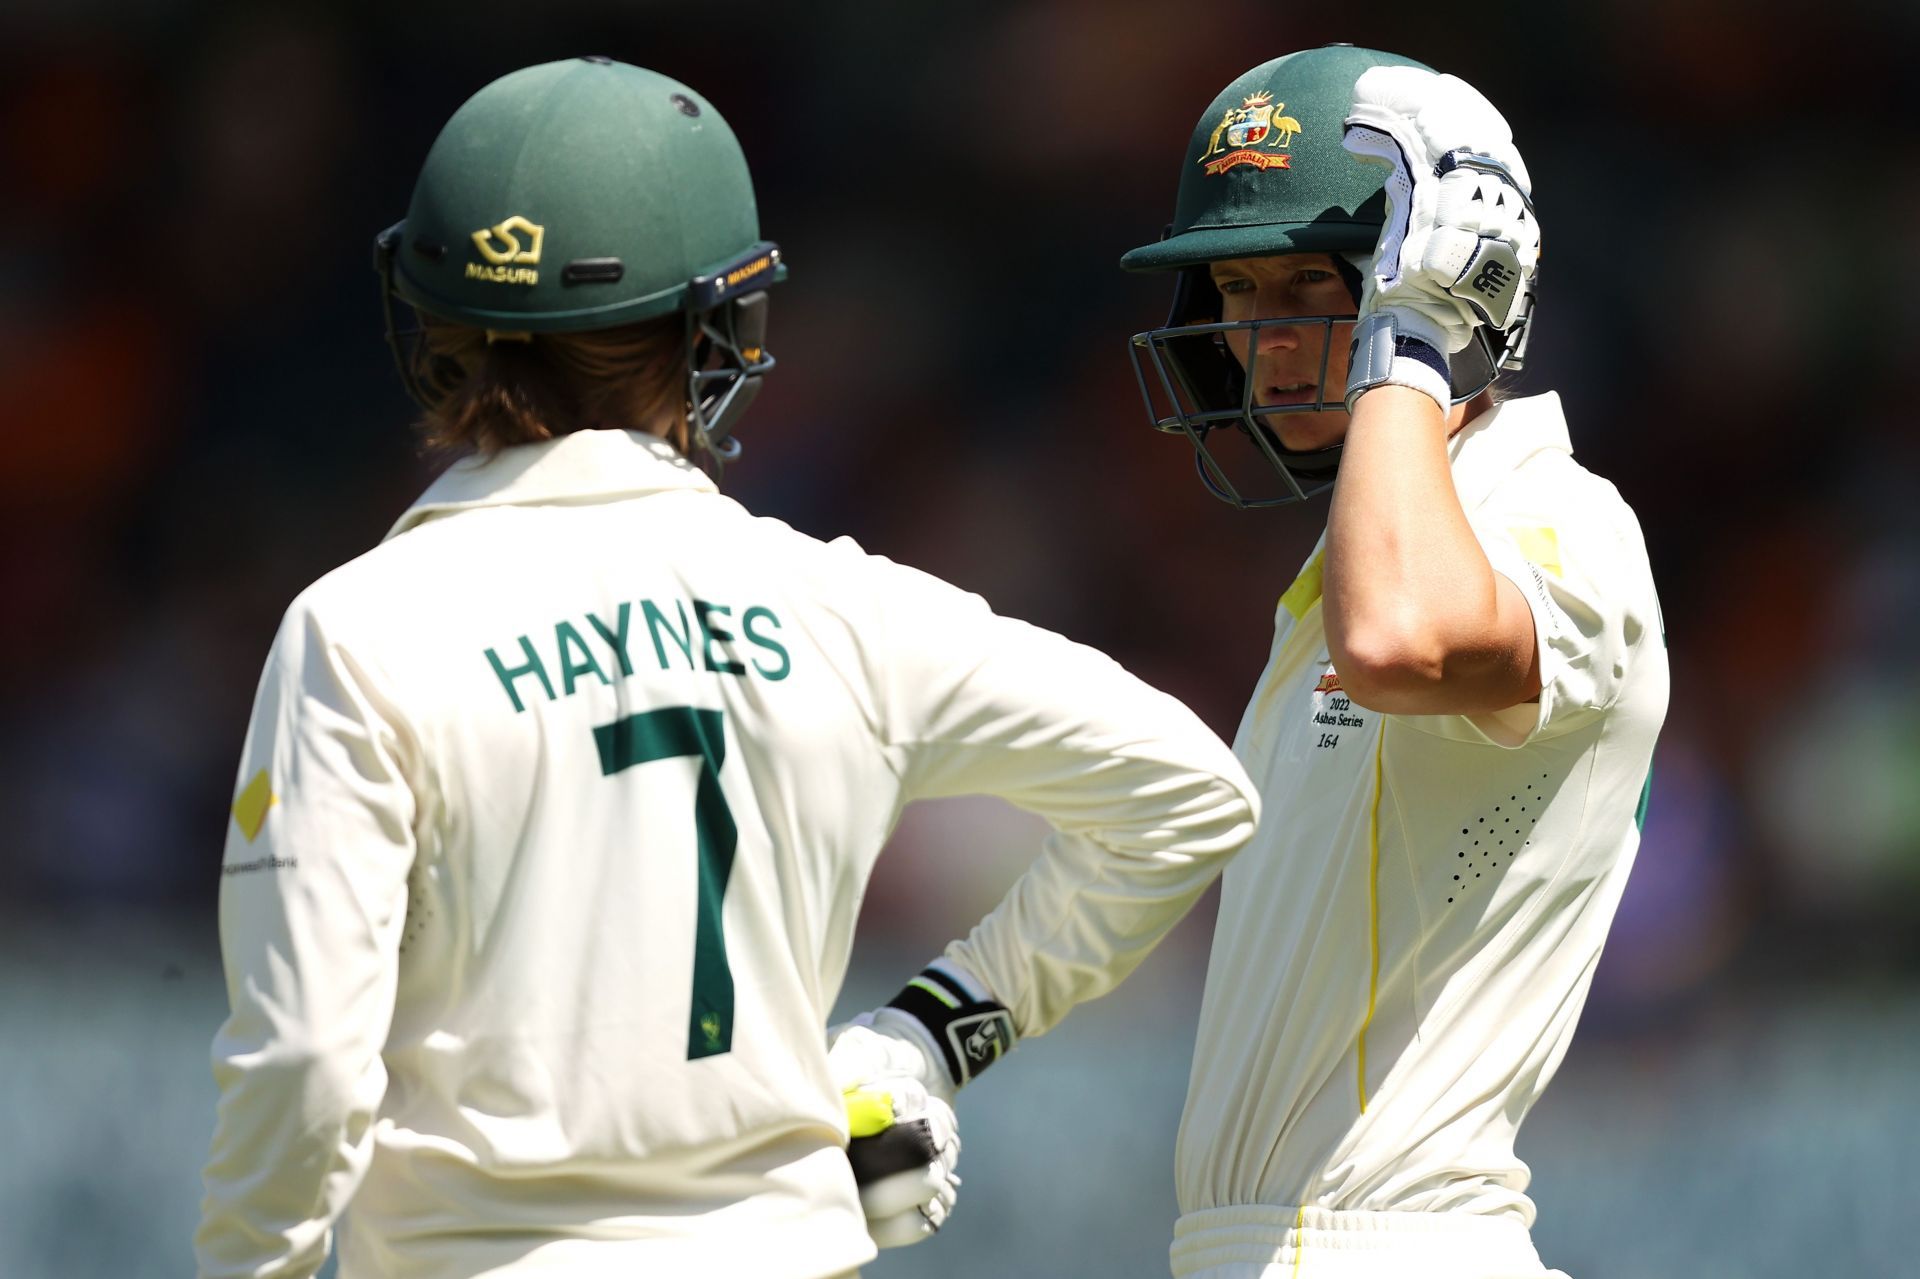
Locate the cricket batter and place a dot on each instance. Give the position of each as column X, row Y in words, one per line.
column 557, row 807
column 1454, row 730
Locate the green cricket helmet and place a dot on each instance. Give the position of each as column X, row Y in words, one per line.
column 587, row 194
column 1264, row 175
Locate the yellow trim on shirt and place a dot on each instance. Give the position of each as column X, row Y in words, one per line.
column 1373, row 907
column 1299, row 1239
column 1300, row 597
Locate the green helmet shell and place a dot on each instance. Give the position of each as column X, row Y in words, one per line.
column 1265, row 172
column 580, row 195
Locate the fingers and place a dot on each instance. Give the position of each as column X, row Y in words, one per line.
column 1449, row 250
column 907, row 1228
column 895, row 1121
column 1393, row 90
column 909, row 1206
column 1435, row 113
column 1465, row 201
column 903, row 1192
column 1474, row 205
column 1455, row 114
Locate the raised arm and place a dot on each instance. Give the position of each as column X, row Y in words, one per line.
column 1417, row 620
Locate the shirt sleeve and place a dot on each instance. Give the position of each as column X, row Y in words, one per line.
column 1145, row 801
column 1574, row 551
column 312, row 900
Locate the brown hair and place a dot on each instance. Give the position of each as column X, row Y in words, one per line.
column 493, row 390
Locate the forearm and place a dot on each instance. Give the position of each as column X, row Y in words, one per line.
column 1079, row 921
column 1409, row 598
column 275, row 1168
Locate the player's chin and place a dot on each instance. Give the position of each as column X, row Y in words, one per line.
column 1305, row 432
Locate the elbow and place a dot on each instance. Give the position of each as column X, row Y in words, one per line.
column 1222, row 818
column 1388, row 669
column 1245, row 817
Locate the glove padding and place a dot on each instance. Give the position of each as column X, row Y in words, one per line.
column 1460, row 240
column 903, row 1148
column 905, row 1140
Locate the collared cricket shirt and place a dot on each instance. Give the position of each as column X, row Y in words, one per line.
column 1404, row 948
column 553, row 823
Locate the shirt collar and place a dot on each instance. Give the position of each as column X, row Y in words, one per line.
column 583, row 467
column 1495, row 444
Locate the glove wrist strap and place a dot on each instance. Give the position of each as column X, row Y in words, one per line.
column 971, row 1029
column 1385, row 355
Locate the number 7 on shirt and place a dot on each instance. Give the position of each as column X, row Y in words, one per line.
column 679, row 732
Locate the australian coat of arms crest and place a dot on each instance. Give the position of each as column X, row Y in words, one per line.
column 1252, row 133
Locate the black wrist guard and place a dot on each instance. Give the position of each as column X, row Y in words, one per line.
column 972, row 1032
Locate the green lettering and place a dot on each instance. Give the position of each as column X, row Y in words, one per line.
column 565, row 637
column 533, row 667
column 616, row 639
column 682, row 637
column 711, row 634
column 767, row 642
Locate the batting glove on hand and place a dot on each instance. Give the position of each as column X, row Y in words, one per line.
column 913, row 1054
column 903, row 1147
column 1460, row 240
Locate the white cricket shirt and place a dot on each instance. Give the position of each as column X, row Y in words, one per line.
column 554, row 819
column 1403, row 949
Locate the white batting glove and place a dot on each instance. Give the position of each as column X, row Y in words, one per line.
column 887, row 1044
column 899, row 1067
column 1460, row 239
column 903, row 1145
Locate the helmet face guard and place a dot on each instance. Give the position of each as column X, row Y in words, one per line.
column 726, row 358
column 1196, row 388
column 1192, row 385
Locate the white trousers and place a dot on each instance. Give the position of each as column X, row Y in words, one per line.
column 1263, row 1241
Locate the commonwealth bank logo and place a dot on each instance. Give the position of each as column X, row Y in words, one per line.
column 508, row 259
column 251, row 805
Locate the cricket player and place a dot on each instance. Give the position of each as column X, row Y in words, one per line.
column 557, row 807
column 1454, row 730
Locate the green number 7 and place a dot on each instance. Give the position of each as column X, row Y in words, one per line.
column 677, row 732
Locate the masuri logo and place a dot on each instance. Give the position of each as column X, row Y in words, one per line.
column 508, row 261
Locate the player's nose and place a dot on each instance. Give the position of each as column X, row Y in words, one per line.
column 1277, row 333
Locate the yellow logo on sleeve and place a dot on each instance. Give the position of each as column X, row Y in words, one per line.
column 1540, row 545
column 250, row 809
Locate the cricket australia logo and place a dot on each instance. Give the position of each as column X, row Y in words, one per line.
column 1252, row 133
column 508, row 261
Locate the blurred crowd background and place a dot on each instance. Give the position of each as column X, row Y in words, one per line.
column 199, row 417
